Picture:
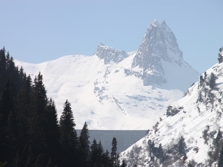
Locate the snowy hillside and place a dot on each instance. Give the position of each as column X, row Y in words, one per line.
column 118, row 90
column 189, row 133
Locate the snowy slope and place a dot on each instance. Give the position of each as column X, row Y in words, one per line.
column 108, row 89
column 197, row 118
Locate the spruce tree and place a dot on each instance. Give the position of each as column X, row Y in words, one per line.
column 212, row 80
column 2, row 68
column 106, row 159
column 160, row 153
column 7, row 105
column 53, row 134
column 84, row 148
column 182, row 147
column 38, row 121
column 23, row 115
column 93, row 153
column 68, row 137
column 12, row 142
column 100, row 152
column 220, row 161
column 220, row 56
column 123, row 164
column 114, row 151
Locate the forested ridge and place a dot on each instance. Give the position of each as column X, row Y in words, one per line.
column 31, row 135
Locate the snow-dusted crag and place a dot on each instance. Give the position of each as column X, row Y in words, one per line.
column 118, row 90
column 109, row 54
column 157, row 55
column 189, row 133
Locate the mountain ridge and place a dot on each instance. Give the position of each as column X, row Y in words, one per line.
column 195, row 119
column 104, row 87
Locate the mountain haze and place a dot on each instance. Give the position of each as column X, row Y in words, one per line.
column 114, row 89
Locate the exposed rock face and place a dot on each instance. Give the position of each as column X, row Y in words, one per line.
column 110, row 54
column 159, row 43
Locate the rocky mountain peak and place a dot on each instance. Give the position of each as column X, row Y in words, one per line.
column 158, row 44
column 110, row 54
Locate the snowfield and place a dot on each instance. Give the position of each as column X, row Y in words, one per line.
column 197, row 119
column 116, row 90
column 102, row 94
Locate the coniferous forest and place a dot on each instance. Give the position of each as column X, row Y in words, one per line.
column 31, row 135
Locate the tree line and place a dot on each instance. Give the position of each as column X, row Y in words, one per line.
column 30, row 133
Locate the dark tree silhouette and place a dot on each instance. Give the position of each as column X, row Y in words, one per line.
column 114, row 151
column 68, row 137
column 84, row 148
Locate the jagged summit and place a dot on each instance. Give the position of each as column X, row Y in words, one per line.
column 159, row 43
column 156, row 54
column 110, row 54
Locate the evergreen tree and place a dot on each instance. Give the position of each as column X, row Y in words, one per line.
column 212, row 80
column 93, row 153
column 8, row 101
column 160, row 153
column 84, row 148
column 220, row 161
column 123, row 164
column 220, row 56
column 97, row 155
column 205, row 75
column 11, row 138
column 100, row 152
column 201, row 80
column 114, row 151
column 2, row 68
column 106, row 159
column 182, row 147
column 7, row 105
column 68, row 139
column 23, row 115
column 53, row 134
column 38, row 121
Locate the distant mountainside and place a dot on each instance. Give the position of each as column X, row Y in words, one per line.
column 118, row 90
column 190, row 132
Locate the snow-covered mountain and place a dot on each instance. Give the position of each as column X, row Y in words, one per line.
column 114, row 89
column 189, row 133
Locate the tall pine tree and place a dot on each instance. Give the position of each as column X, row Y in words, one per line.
column 84, row 148
column 68, row 138
column 114, row 152
column 38, row 122
column 53, row 134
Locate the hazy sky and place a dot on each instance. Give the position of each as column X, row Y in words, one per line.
column 40, row 30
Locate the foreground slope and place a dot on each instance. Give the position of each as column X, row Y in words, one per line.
column 189, row 134
column 118, row 90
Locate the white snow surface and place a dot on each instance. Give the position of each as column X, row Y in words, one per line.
column 107, row 92
column 102, row 95
column 193, row 118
